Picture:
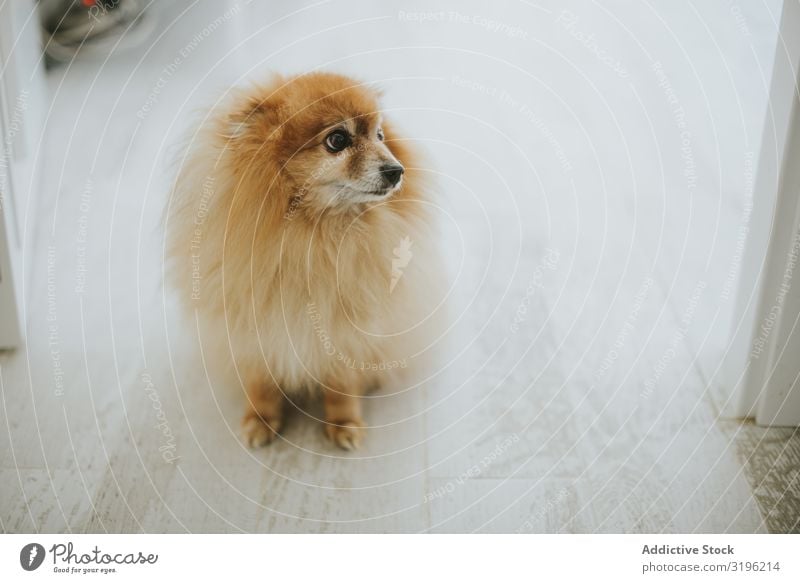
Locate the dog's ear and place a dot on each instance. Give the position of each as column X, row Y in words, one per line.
column 379, row 91
column 255, row 113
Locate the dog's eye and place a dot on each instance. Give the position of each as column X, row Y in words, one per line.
column 380, row 134
column 337, row 140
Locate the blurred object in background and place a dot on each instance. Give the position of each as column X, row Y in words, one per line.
column 95, row 27
column 23, row 101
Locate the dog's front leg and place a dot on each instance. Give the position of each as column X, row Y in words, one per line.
column 343, row 423
column 264, row 416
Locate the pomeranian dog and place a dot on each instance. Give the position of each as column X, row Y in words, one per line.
column 300, row 234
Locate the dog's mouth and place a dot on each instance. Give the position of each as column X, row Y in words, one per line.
column 347, row 191
column 379, row 193
column 384, row 189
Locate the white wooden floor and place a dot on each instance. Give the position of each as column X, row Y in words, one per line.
column 593, row 168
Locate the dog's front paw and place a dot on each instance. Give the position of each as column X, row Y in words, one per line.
column 257, row 431
column 346, row 434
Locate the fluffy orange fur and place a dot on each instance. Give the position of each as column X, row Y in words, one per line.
column 303, row 275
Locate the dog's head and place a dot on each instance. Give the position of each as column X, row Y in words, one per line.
column 324, row 138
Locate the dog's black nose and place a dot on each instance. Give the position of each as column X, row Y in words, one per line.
column 391, row 173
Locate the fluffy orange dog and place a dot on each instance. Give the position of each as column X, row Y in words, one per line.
column 300, row 235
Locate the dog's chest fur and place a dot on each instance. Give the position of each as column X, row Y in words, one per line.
column 339, row 297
